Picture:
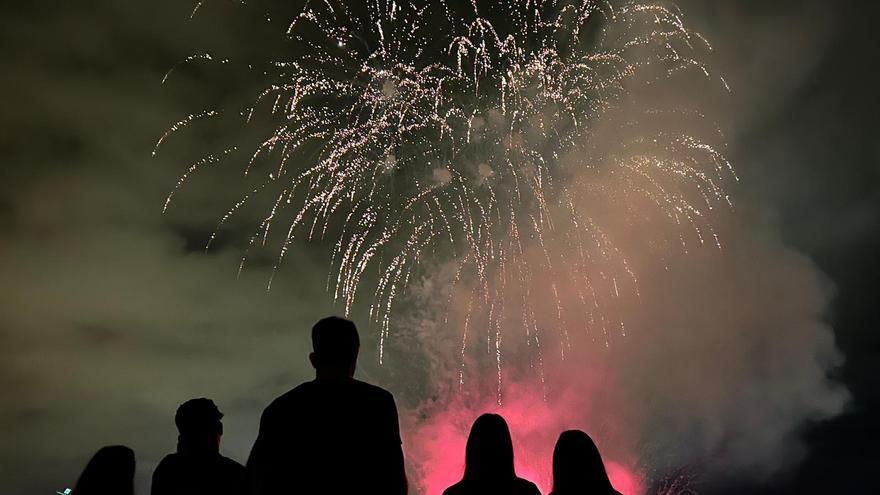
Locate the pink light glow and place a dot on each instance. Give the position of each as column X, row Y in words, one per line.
column 438, row 444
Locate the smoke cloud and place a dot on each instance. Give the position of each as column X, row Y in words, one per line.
column 111, row 314
column 726, row 355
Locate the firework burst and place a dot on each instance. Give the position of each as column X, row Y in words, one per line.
column 427, row 133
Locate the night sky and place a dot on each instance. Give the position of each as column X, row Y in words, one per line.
column 111, row 313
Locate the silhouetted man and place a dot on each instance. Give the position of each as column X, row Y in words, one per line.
column 332, row 435
column 197, row 468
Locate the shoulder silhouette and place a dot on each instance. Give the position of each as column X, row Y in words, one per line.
column 332, row 435
column 197, row 467
column 109, row 472
column 578, row 468
column 488, row 462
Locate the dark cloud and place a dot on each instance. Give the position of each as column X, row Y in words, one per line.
column 111, row 314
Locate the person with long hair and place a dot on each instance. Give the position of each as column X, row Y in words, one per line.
column 488, row 462
column 109, row 472
column 578, row 468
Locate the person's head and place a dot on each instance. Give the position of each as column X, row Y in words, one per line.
column 577, row 465
column 109, row 472
column 198, row 424
column 335, row 345
column 489, row 451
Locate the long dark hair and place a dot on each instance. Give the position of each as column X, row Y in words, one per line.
column 109, row 472
column 578, row 466
column 489, row 452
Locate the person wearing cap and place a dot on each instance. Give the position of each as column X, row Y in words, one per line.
column 334, row 435
column 197, row 467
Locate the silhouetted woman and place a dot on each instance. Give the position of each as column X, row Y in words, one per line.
column 110, row 472
column 578, row 468
column 488, row 462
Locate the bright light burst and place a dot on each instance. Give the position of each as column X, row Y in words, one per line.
column 484, row 134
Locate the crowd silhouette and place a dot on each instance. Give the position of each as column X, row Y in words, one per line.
column 334, row 435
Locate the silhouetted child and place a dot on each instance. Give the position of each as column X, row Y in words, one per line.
column 488, row 462
column 332, row 435
column 109, row 472
column 197, row 467
column 578, row 468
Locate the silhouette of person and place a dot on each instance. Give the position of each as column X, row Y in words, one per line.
column 488, row 462
column 332, row 435
column 109, row 472
column 578, row 468
column 197, row 467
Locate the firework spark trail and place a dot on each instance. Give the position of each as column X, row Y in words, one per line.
column 467, row 132
column 192, row 58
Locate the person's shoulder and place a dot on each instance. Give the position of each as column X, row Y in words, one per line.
column 303, row 388
column 526, row 487
column 375, row 398
column 291, row 396
column 230, row 464
column 372, row 390
column 456, row 489
column 171, row 458
column 231, row 473
column 169, row 462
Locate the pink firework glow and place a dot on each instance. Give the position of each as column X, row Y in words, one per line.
column 438, row 444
